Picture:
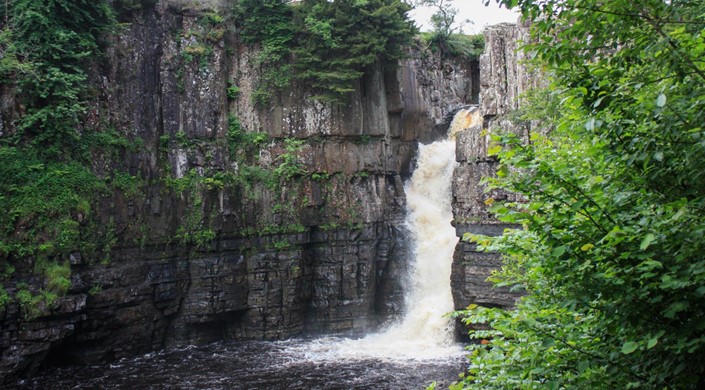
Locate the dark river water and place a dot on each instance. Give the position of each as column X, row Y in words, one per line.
column 293, row 364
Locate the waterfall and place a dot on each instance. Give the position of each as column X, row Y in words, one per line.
column 425, row 329
column 429, row 216
column 424, row 332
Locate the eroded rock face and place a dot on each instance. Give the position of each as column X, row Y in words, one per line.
column 505, row 78
column 323, row 251
column 503, row 81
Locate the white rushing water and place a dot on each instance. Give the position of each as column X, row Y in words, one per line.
column 409, row 354
column 424, row 332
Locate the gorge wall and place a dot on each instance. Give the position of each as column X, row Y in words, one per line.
column 504, row 78
column 206, row 245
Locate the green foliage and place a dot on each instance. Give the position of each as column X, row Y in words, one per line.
column 329, row 226
column 194, row 228
column 196, row 44
column 4, row 298
column 95, row 290
column 235, row 132
column 56, row 38
column 365, row 139
column 195, row 223
column 316, row 176
column 469, row 47
column 232, row 91
column 290, row 166
column 443, row 19
column 329, row 44
column 339, row 40
column 260, row 20
column 10, row 64
column 281, row 245
column 610, row 253
column 269, row 23
column 47, row 188
column 465, row 46
column 448, row 38
column 243, row 144
column 125, row 7
column 130, row 185
column 47, row 207
column 42, row 203
column 34, row 304
column 279, row 229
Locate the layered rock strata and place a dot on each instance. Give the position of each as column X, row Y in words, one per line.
column 322, row 250
column 504, row 79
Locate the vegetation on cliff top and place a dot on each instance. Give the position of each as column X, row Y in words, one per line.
column 328, row 45
column 447, row 36
column 611, row 247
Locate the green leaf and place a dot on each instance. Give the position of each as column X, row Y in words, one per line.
column 493, row 151
column 629, row 347
column 661, row 100
column 652, row 342
column 646, row 241
column 700, row 291
column 558, row 251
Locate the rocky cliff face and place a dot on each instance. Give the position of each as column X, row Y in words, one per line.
column 195, row 258
column 503, row 80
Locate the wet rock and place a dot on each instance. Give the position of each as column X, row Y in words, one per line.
column 503, row 80
column 314, row 255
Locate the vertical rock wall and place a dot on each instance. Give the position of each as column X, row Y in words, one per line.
column 503, row 80
column 323, row 251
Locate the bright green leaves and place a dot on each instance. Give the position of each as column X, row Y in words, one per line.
column 494, row 150
column 646, row 241
column 289, row 164
column 612, row 251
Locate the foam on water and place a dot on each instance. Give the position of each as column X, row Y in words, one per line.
column 424, row 333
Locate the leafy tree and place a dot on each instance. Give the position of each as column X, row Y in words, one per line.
column 443, row 20
column 339, row 40
column 56, row 37
column 447, row 37
column 329, row 44
column 610, row 251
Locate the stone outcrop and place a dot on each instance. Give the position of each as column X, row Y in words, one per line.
column 321, row 251
column 503, row 81
column 503, row 77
